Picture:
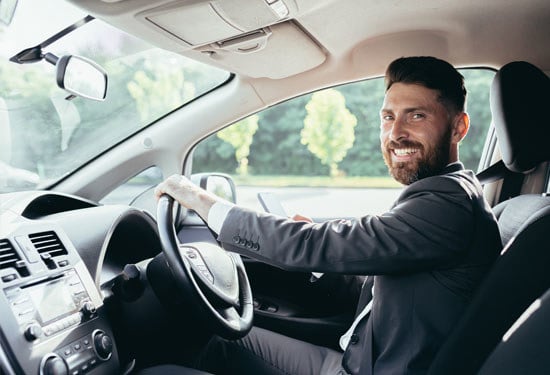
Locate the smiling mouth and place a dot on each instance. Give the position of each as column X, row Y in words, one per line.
column 403, row 152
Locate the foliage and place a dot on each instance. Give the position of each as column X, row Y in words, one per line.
column 144, row 84
column 277, row 149
column 328, row 128
column 240, row 137
column 151, row 81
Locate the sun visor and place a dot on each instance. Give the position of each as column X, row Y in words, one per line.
column 197, row 23
column 241, row 36
column 253, row 54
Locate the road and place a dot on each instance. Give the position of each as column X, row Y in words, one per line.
column 324, row 202
column 308, row 201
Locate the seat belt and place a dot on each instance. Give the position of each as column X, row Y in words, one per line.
column 492, row 173
column 512, row 181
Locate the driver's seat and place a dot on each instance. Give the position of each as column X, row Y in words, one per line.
column 519, row 93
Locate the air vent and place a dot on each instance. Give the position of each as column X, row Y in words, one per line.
column 8, row 255
column 48, row 244
column 9, row 258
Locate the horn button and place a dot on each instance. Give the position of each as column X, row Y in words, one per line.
column 216, row 268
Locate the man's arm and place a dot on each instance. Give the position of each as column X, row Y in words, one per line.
column 430, row 228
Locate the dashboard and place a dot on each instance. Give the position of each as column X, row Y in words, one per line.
column 57, row 255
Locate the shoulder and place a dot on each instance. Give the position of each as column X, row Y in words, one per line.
column 459, row 183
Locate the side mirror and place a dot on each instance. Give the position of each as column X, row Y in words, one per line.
column 219, row 184
column 81, row 77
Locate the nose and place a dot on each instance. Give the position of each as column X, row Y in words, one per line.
column 398, row 130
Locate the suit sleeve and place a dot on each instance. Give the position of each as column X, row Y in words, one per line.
column 430, row 227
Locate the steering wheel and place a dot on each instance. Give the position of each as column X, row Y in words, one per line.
column 208, row 274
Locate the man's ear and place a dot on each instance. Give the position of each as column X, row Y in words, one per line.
column 461, row 126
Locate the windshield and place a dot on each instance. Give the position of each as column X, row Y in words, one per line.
column 45, row 133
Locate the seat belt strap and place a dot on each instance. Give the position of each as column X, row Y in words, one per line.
column 511, row 186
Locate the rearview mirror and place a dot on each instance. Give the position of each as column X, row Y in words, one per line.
column 75, row 74
column 219, row 184
column 81, row 77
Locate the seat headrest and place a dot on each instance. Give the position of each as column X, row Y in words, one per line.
column 520, row 97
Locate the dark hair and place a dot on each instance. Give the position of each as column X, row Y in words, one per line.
column 432, row 73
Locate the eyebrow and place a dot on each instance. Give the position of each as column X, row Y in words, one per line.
column 408, row 110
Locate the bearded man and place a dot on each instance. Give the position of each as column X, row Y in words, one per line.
column 424, row 257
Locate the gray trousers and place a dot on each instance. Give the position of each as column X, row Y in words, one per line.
column 267, row 352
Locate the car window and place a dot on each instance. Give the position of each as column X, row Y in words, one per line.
column 320, row 153
column 45, row 133
column 131, row 189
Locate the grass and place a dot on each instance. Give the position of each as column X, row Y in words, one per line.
column 316, row 181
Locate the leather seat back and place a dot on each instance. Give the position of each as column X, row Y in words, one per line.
column 524, row 348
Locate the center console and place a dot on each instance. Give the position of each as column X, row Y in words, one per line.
column 52, row 313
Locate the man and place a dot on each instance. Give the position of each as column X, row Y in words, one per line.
column 427, row 254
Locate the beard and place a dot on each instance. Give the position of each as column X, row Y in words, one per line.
column 433, row 159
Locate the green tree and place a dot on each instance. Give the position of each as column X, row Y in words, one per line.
column 328, row 128
column 240, row 136
column 364, row 100
column 148, row 85
column 478, row 83
column 277, row 149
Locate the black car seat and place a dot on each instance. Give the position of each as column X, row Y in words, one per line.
column 520, row 94
column 524, row 348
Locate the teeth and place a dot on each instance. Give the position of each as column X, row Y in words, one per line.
column 405, row 151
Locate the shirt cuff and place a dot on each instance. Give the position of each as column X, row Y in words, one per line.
column 217, row 214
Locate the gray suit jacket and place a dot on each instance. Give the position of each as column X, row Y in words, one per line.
column 428, row 254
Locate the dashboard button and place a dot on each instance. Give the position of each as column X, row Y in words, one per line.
column 9, row 277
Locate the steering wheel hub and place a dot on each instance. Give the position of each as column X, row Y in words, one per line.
column 216, row 268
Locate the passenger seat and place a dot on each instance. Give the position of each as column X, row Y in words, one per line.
column 520, row 95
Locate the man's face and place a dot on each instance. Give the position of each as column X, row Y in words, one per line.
column 415, row 133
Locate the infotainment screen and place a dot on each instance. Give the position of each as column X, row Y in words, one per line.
column 52, row 299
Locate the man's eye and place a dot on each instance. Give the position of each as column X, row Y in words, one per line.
column 387, row 117
column 417, row 116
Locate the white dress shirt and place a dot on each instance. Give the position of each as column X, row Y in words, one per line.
column 217, row 214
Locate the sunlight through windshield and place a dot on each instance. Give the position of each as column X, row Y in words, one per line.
column 45, row 133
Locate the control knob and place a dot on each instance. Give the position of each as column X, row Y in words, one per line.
column 33, row 331
column 52, row 364
column 88, row 309
column 103, row 345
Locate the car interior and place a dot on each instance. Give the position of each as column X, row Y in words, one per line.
column 91, row 284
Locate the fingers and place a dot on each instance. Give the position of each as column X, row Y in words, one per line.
column 299, row 217
column 172, row 186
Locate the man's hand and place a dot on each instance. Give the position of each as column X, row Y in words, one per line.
column 299, row 217
column 187, row 194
